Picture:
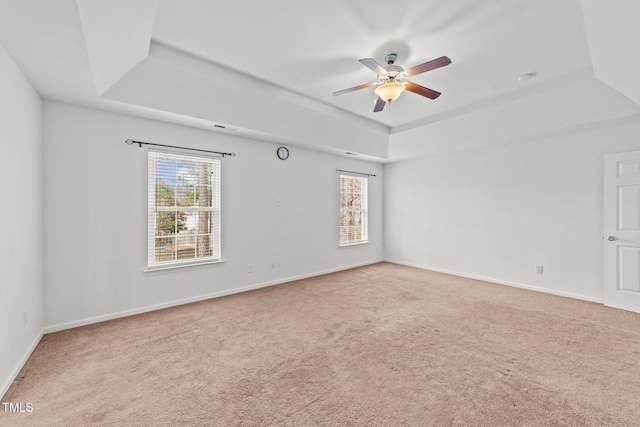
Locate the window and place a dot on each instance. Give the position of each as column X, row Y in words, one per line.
column 353, row 210
column 184, row 209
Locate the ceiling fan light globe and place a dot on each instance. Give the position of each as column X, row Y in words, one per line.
column 390, row 91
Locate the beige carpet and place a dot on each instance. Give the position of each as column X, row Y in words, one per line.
column 382, row 345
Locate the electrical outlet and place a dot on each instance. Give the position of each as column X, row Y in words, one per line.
column 250, row 268
column 539, row 269
column 273, row 264
column 25, row 316
column 278, row 264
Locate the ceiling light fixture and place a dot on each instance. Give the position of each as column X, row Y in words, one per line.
column 389, row 91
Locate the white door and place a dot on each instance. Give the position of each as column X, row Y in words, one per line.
column 621, row 238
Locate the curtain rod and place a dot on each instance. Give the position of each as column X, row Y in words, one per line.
column 357, row 173
column 131, row 141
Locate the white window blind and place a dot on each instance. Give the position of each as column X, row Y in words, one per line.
column 353, row 209
column 184, row 209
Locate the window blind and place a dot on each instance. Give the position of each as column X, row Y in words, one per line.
column 184, row 209
column 353, row 209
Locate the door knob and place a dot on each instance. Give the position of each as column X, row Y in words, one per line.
column 611, row 238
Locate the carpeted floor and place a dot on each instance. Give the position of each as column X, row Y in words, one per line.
column 382, row 345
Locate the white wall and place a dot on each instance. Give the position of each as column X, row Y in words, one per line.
column 496, row 212
column 95, row 222
column 21, row 218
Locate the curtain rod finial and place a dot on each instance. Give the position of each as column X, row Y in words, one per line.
column 129, row 141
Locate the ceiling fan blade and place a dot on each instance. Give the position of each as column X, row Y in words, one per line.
column 351, row 89
column 379, row 105
column 421, row 90
column 373, row 66
column 427, row 66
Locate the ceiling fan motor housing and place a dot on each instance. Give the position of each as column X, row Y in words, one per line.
column 394, row 70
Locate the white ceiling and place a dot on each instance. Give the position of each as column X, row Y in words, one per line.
column 312, row 48
column 268, row 69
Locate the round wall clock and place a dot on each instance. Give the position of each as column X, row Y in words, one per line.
column 283, row 153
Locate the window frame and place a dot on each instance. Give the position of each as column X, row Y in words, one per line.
column 153, row 209
column 364, row 210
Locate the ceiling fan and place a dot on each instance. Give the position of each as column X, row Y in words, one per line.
column 391, row 77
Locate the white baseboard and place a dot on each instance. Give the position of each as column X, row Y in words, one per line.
column 502, row 282
column 140, row 310
column 14, row 374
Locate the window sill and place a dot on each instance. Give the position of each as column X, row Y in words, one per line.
column 172, row 267
column 346, row 245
